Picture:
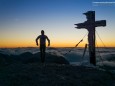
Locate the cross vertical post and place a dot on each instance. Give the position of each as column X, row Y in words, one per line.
column 90, row 15
column 90, row 25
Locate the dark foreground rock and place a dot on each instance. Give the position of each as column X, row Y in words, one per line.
column 26, row 69
column 37, row 74
column 28, row 57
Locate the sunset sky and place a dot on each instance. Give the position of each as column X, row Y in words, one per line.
column 21, row 21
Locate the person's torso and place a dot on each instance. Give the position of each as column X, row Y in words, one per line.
column 43, row 39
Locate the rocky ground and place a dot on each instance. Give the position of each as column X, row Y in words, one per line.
column 52, row 73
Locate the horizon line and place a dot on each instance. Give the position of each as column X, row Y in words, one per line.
column 54, row 47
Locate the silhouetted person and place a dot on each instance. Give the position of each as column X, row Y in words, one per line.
column 42, row 38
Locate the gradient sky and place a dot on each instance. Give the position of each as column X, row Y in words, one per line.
column 21, row 21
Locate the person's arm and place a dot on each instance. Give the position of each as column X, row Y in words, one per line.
column 37, row 40
column 48, row 41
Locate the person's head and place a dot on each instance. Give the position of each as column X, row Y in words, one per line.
column 42, row 32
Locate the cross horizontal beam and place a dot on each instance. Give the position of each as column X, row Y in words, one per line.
column 87, row 24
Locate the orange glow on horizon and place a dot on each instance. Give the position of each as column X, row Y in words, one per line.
column 33, row 44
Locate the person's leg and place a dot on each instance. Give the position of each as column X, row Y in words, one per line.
column 44, row 48
column 41, row 53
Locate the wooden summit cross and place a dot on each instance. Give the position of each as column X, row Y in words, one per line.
column 90, row 25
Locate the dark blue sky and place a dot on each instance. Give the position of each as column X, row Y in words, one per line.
column 26, row 18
